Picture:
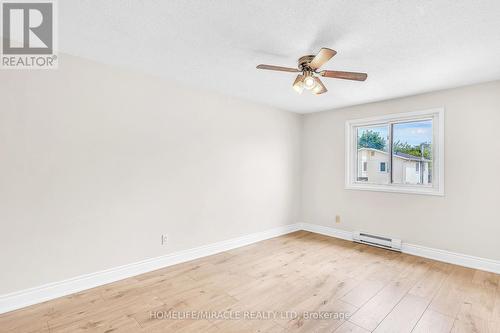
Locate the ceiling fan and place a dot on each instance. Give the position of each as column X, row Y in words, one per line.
column 309, row 66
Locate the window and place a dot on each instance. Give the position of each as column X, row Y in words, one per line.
column 397, row 153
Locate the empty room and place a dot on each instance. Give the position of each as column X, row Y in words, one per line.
column 250, row 166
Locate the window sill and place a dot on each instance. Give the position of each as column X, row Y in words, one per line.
column 396, row 189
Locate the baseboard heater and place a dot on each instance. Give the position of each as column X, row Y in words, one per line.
column 378, row 241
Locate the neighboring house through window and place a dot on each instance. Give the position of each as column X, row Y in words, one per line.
column 406, row 150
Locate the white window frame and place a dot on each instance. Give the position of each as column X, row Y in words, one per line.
column 437, row 187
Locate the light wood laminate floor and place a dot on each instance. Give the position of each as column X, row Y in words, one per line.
column 360, row 288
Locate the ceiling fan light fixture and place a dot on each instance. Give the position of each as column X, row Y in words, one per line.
column 298, row 85
column 319, row 88
column 309, row 81
column 316, row 89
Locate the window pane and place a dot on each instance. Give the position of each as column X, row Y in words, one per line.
column 412, row 153
column 373, row 155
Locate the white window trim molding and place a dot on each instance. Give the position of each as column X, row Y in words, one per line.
column 437, row 115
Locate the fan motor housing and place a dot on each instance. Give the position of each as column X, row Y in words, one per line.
column 305, row 61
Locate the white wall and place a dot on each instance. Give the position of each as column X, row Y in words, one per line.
column 465, row 220
column 97, row 162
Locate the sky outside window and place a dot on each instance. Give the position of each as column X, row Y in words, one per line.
column 414, row 133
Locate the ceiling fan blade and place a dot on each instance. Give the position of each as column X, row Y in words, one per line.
column 322, row 57
column 319, row 88
column 298, row 84
column 345, row 75
column 278, row 68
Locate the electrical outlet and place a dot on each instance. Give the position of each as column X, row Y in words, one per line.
column 337, row 218
column 163, row 239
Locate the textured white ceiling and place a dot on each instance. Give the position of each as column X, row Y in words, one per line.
column 405, row 46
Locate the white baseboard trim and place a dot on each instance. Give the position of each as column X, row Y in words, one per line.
column 23, row 298
column 327, row 231
column 460, row 259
